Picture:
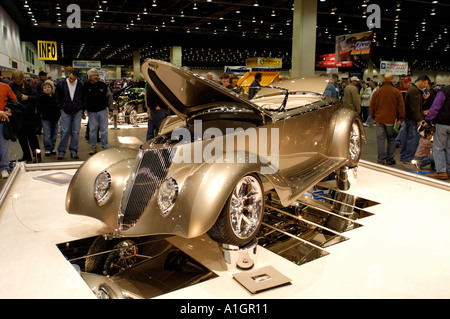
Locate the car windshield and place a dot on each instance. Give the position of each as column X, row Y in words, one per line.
column 274, row 98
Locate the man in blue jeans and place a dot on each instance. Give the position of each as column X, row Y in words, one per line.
column 439, row 114
column 98, row 101
column 70, row 99
column 386, row 107
column 413, row 117
column 157, row 110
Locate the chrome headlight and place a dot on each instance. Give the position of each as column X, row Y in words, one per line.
column 167, row 194
column 102, row 186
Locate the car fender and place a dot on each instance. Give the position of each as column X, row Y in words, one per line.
column 80, row 195
column 203, row 191
column 342, row 121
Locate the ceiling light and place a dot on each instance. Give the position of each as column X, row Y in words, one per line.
column 256, row 4
column 154, row 3
column 195, row 6
column 145, row 11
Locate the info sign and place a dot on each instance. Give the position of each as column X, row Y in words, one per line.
column 47, row 50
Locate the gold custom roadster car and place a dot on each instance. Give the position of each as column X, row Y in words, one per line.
column 209, row 167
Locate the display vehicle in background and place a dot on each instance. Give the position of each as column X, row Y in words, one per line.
column 212, row 162
column 131, row 104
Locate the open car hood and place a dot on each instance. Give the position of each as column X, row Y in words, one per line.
column 187, row 93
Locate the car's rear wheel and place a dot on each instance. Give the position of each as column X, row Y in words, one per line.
column 241, row 217
column 354, row 145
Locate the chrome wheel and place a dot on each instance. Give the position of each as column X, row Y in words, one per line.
column 241, row 217
column 133, row 117
column 246, row 207
column 354, row 147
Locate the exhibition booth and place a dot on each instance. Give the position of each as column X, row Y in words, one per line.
column 398, row 250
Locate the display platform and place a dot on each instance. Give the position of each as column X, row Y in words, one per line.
column 399, row 250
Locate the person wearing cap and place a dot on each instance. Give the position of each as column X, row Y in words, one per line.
column 387, row 107
column 351, row 95
column 42, row 79
column 405, row 84
column 50, row 114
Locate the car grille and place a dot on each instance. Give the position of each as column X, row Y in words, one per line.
column 150, row 173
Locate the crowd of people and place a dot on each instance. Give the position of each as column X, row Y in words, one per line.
column 30, row 109
column 414, row 117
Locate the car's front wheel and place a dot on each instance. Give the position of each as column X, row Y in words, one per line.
column 241, row 217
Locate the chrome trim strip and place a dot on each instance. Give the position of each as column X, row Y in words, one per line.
column 295, row 237
column 304, row 220
column 50, row 166
column 128, row 187
column 9, row 182
column 406, row 175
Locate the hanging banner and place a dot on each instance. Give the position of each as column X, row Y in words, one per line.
column 80, row 64
column 47, row 50
column 236, row 69
column 394, row 67
column 264, row 63
column 329, row 61
column 352, row 47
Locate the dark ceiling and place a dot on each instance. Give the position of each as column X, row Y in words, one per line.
column 217, row 33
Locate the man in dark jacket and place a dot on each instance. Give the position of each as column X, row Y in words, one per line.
column 98, row 101
column 70, row 100
column 439, row 114
column 257, row 83
column 413, row 117
column 387, row 107
column 157, row 112
column 27, row 95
